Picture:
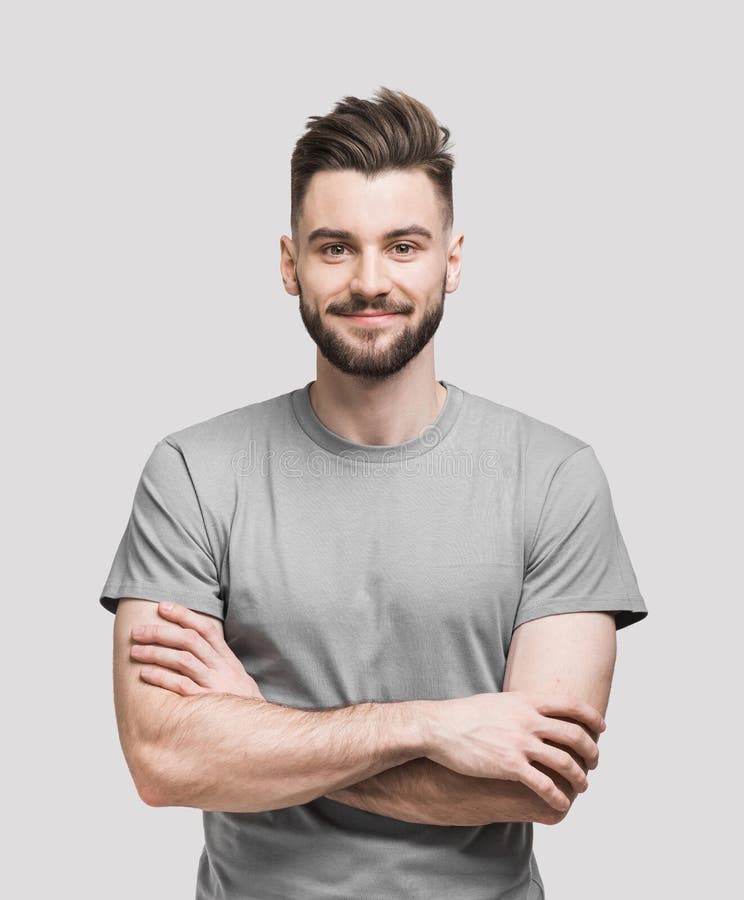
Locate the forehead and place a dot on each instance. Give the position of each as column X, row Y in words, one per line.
column 367, row 205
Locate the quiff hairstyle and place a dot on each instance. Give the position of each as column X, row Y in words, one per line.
column 395, row 131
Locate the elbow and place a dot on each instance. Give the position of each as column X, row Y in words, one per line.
column 149, row 786
column 162, row 780
column 149, row 794
column 554, row 816
column 154, row 780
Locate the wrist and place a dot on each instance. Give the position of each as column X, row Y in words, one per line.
column 422, row 717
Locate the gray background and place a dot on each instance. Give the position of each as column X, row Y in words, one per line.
column 144, row 186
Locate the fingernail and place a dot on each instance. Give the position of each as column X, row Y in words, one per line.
column 167, row 606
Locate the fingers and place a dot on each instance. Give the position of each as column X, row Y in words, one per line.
column 178, row 637
column 171, row 681
column 179, row 661
column 187, row 618
column 573, row 708
column 561, row 762
column 544, row 787
column 571, row 735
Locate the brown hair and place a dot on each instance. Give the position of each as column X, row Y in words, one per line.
column 394, row 132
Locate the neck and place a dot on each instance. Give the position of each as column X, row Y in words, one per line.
column 377, row 412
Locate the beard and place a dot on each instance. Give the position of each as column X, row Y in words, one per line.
column 363, row 357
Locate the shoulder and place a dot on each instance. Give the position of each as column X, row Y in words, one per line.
column 530, row 453
column 536, row 454
column 225, row 433
column 536, row 445
column 212, row 450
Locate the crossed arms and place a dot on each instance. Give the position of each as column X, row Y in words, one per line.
column 191, row 750
column 572, row 653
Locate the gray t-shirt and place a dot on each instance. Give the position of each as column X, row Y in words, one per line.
column 347, row 573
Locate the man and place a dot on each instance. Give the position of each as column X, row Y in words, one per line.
column 394, row 603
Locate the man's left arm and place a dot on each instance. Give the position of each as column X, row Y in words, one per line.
column 566, row 654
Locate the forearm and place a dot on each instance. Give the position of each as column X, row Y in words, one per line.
column 235, row 754
column 423, row 791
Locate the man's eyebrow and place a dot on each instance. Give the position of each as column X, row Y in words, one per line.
column 341, row 235
column 412, row 229
column 329, row 233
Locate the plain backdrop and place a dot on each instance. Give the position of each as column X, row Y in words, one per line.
column 144, row 186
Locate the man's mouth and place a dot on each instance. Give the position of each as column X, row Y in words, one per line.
column 371, row 318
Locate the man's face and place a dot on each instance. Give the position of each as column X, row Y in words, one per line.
column 371, row 268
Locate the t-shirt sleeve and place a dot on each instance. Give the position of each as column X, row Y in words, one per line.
column 165, row 553
column 578, row 560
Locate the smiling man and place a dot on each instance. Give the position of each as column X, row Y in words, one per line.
column 376, row 298
column 369, row 626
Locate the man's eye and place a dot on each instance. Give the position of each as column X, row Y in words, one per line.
column 408, row 248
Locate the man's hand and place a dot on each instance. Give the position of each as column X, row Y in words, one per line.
column 503, row 735
column 189, row 656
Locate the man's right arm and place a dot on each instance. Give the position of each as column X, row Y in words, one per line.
column 227, row 753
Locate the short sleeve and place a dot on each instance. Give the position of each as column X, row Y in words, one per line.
column 578, row 560
column 164, row 553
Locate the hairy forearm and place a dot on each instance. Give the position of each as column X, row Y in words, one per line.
column 423, row 791
column 236, row 754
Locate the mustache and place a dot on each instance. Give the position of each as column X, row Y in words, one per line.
column 355, row 308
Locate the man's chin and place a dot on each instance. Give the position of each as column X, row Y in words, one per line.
column 348, row 358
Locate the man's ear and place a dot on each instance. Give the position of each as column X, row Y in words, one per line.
column 288, row 265
column 454, row 263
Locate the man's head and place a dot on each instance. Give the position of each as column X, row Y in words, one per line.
column 371, row 223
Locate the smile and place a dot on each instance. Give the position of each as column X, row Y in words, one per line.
column 372, row 318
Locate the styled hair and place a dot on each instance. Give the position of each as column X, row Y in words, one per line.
column 395, row 131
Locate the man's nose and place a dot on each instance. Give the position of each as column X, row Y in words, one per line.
column 370, row 276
